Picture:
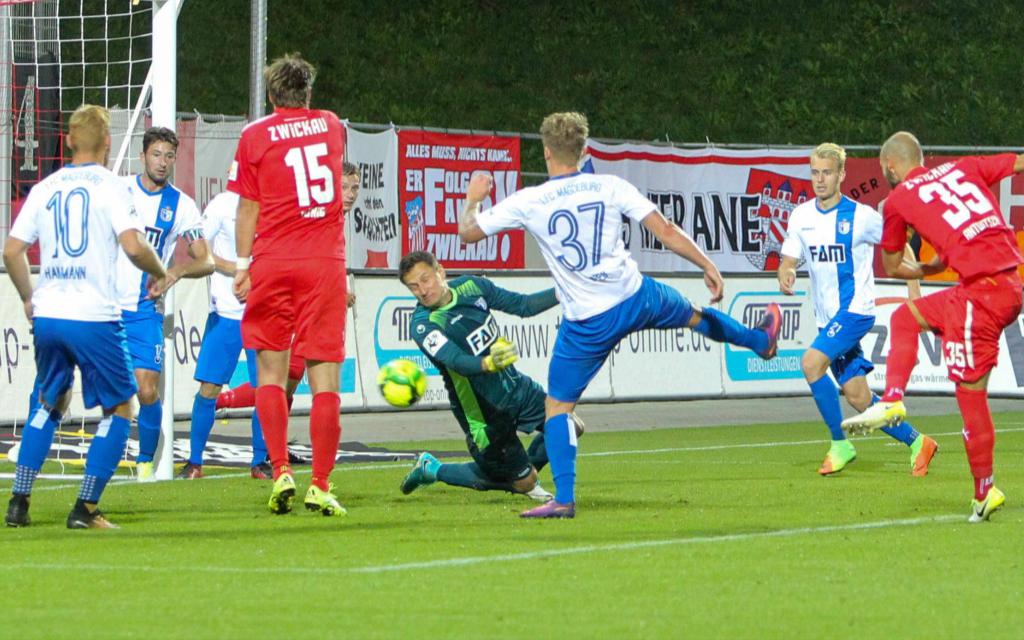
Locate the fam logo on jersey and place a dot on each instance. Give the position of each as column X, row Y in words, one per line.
column 780, row 194
column 393, row 333
column 165, row 214
column 483, row 336
column 749, row 307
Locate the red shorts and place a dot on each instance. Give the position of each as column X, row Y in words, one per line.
column 296, row 366
column 297, row 304
column 970, row 318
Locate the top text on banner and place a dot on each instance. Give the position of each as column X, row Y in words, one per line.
column 434, row 171
column 735, row 204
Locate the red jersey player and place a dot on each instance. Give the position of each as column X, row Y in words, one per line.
column 287, row 173
column 952, row 207
column 244, row 395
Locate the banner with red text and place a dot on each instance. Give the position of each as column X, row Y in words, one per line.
column 734, row 204
column 434, row 171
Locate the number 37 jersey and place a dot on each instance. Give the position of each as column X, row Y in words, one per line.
column 290, row 162
column 76, row 214
column 952, row 207
column 577, row 222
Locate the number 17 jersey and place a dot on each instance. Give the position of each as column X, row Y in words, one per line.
column 577, row 222
column 952, row 207
column 290, row 162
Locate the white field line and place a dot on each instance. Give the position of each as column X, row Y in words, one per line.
column 716, row 447
column 477, row 560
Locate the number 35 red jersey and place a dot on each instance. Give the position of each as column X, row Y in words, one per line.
column 290, row 162
column 952, row 207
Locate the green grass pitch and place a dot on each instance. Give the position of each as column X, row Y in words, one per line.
column 723, row 532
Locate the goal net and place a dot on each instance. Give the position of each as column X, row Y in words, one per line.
column 54, row 56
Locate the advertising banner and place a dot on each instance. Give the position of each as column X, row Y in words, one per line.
column 372, row 227
column 734, row 204
column 434, row 172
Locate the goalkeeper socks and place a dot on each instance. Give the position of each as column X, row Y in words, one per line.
column 538, row 453
column 826, row 396
column 979, row 435
column 149, row 430
column 324, row 434
column 903, row 330
column 106, row 451
column 203, row 412
column 560, row 440
column 904, row 431
column 720, row 327
column 273, row 410
column 469, row 475
column 37, row 437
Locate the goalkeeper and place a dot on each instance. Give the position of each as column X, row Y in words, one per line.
column 453, row 326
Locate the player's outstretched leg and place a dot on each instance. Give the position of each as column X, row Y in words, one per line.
column 762, row 340
column 100, row 464
column 36, row 440
column 890, row 411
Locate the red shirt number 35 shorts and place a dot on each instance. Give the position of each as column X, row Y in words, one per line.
column 970, row 317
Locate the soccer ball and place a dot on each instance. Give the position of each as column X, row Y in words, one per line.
column 402, row 382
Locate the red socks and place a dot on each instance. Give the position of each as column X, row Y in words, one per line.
column 979, row 436
column 902, row 353
column 324, row 433
column 244, row 395
column 272, row 407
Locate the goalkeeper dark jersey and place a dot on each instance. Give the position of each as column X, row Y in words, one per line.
column 457, row 337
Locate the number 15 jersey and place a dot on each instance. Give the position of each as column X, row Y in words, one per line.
column 290, row 162
column 577, row 222
column 952, row 207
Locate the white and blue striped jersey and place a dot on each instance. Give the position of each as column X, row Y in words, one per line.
column 838, row 245
column 167, row 214
column 77, row 213
column 577, row 222
column 219, row 230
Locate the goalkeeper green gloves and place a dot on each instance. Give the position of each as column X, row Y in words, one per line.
column 503, row 354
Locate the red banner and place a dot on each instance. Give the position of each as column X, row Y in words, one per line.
column 865, row 183
column 434, row 171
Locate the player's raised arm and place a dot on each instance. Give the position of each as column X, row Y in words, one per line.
column 683, row 246
column 479, row 188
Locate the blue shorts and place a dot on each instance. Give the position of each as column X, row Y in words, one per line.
column 582, row 346
column 839, row 339
column 218, row 357
column 145, row 331
column 98, row 349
